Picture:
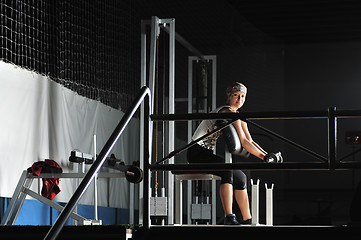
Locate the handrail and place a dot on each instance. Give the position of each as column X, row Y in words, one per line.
column 241, row 115
column 94, row 169
column 248, row 116
column 256, row 115
column 332, row 114
column 259, row 166
column 209, row 167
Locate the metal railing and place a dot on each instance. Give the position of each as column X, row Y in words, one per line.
column 331, row 162
column 325, row 163
column 94, row 169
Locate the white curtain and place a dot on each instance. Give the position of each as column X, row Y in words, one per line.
column 42, row 119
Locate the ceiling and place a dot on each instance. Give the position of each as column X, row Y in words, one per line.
column 304, row 21
column 223, row 23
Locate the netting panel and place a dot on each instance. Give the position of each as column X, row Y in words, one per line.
column 89, row 46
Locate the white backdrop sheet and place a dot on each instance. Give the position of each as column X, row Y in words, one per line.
column 42, row 119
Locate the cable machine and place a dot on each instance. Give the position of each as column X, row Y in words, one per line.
column 201, row 76
column 155, row 24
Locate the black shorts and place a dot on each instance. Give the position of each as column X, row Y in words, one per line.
column 198, row 154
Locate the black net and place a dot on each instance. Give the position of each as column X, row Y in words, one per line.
column 89, row 46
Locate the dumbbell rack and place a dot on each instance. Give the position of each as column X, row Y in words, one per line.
column 23, row 189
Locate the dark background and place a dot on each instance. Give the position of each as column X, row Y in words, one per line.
column 292, row 55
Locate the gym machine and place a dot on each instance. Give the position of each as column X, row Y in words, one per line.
column 203, row 105
column 131, row 172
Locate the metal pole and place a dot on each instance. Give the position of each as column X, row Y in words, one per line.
column 255, row 202
column 95, row 182
column 214, row 81
column 131, row 202
column 214, row 105
column 190, row 132
column 143, row 82
column 94, row 169
column 241, row 115
column 147, row 158
column 153, row 52
column 143, row 60
column 179, row 201
column 269, row 205
column 171, row 109
column 206, row 167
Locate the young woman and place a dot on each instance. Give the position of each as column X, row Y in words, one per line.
column 234, row 179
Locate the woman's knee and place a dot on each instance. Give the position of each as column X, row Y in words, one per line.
column 240, row 180
column 226, row 177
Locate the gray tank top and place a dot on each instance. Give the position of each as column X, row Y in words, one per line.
column 205, row 127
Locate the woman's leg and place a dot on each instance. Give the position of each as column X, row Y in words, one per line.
column 226, row 194
column 240, row 193
column 198, row 154
column 243, row 203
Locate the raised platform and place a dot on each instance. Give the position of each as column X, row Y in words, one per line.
column 206, row 232
column 186, row 232
column 67, row 233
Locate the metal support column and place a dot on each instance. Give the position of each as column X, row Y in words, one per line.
column 155, row 30
column 154, row 25
column 95, row 182
column 171, row 110
column 147, row 157
column 255, row 202
column 143, row 82
column 179, row 201
column 269, row 205
column 214, row 105
column 153, row 52
column 214, row 201
column 190, row 132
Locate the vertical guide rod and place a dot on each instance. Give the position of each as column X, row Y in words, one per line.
column 143, row 82
column 190, row 131
column 146, row 158
column 95, row 181
column 171, row 110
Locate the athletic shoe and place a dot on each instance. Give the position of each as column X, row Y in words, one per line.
column 246, row 222
column 230, row 219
